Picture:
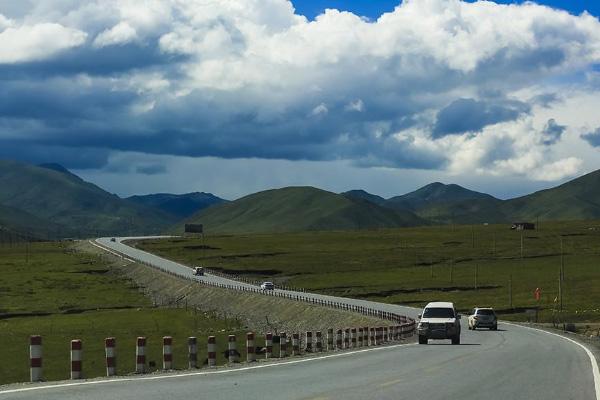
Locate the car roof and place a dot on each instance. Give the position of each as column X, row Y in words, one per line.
column 440, row 304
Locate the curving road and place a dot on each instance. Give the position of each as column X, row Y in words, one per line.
column 512, row 363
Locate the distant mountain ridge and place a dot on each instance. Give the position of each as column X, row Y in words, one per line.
column 302, row 208
column 179, row 205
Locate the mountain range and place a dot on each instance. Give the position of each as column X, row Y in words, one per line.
column 48, row 201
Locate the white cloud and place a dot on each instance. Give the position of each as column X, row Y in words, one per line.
column 356, row 105
column 319, row 110
column 119, row 34
column 37, row 42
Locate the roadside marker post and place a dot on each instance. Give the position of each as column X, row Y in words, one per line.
column 111, row 359
column 338, row 340
column 232, row 347
column 140, row 355
column 330, row 346
column 250, row 347
column 309, row 342
column 319, row 341
column 269, row 345
column 360, row 337
column 295, row 344
column 353, row 337
column 366, row 336
column 167, row 352
column 212, row 351
column 192, row 352
column 282, row 345
column 76, row 350
column 35, row 358
column 347, row 338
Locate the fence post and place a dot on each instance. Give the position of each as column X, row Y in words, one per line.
column 76, row 350
column 35, row 358
column 111, row 359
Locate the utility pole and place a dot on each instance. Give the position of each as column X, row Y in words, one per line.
column 560, row 296
column 510, row 299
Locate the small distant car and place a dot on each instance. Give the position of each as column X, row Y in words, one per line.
column 113, row 239
column 439, row 321
column 483, row 317
column 267, row 286
column 198, row 271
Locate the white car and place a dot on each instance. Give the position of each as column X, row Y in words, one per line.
column 439, row 321
column 483, row 317
column 267, row 286
column 198, row 271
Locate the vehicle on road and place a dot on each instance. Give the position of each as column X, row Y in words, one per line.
column 267, row 286
column 198, row 271
column 113, row 239
column 439, row 321
column 483, row 317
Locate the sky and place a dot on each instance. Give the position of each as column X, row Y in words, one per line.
column 232, row 97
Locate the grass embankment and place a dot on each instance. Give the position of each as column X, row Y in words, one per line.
column 50, row 290
column 469, row 265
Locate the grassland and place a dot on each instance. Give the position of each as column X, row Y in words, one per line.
column 469, row 265
column 51, row 290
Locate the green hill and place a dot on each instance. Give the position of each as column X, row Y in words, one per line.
column 178, row 205
column 70, row 205
column 299, row 209
column 364, row 195
column 435, row 193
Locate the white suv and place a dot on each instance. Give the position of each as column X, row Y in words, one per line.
column 267, row 286
column 439, row 321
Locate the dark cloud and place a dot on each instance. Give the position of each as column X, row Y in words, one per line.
column 593, row 138
column 153, row 169
column 69, row 157
column 552, row 132
column 470, row 115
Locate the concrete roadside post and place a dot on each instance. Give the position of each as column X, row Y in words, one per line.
column 111, row 357
column 250, row 347
column 360, row 337
column 140, row 355
column 309, row 342
column 372, row 338
column 192, row 352
column 232, row 347
column 330, row 346
column 353, row 337
column 366, row 335
column 212, row 351
column 347, row 338
column 167, row 352
column 76, row 350
column 35, row 358
column 338, row 339
column 295, row 344
column 319, row 341
column 282, row 345
column 269, row 345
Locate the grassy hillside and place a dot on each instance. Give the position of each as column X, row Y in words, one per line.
column 178, row 205
column 299, row 209
column 66, row 203
column 435, row 194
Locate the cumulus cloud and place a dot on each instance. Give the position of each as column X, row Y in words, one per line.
column 593, row 138
column 552, row 132
column 436, row 84
column 37, row 42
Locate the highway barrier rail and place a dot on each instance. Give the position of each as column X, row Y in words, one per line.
column 407, row 324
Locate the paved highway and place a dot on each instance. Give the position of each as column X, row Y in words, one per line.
column 511, row 363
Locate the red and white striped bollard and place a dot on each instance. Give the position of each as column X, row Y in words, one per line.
column 76, row 350
column 35, row 358
column 268, row 345
column 140, row 355
column 282, row 345
column 232, row 347
column 212, row 351
column 111, row 357
column 167, row 352
column 250, row 347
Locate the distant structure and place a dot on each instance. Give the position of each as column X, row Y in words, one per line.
column 194, row 229
column 523, row 226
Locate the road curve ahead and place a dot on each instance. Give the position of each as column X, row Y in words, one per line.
column 511, row 363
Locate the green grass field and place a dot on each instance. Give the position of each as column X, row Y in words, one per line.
column 417, row 265
column 48, row 289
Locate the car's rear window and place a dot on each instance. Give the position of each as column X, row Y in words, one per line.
column 436, row 312
column 485, row 312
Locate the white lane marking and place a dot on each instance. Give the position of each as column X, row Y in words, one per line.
column 595, row 371
column 223, row 371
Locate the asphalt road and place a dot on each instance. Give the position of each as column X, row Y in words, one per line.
column 512, row 363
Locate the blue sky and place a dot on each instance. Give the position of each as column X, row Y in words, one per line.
column 373, row 9
column 237, row 96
